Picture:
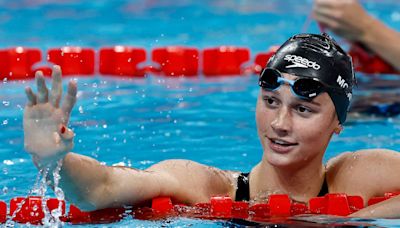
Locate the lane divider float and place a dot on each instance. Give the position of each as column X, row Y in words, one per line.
column 30, row 209
column 21, row 63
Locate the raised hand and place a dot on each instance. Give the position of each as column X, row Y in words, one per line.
column 46, row 135
column 346, row 18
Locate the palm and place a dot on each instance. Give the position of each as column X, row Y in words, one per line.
column 43, row 118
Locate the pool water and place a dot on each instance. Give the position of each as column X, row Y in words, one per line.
column 139, row 122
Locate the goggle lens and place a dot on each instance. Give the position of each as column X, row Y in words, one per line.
column 307, row 87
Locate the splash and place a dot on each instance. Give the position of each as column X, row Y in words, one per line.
column 51, row 219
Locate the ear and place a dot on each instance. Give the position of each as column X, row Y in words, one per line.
column 338, row 129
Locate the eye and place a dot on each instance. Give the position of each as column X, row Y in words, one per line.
column 270, row 101
column 303, row 109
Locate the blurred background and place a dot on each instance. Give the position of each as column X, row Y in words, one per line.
column 150, row 23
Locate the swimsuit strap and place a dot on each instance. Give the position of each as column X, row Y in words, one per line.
column 324, row 188
column 243, row 188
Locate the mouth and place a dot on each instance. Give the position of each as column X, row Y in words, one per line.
column 281, row 145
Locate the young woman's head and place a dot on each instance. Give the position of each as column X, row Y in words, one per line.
column 305, row 95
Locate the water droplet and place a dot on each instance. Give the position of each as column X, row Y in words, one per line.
column 6, row 103
column 142, row 127
column 5, row 122
column 80, row 109
column 8, row 162
column 109, row 97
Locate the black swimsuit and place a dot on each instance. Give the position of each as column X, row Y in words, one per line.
column 243, row 188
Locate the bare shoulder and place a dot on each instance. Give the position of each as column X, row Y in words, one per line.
column 372, row 171
column 195, row 180
column 371, row 157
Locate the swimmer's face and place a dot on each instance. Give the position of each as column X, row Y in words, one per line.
column 293, row 131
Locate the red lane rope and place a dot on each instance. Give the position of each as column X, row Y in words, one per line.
column 30, row 210
column 21, row 63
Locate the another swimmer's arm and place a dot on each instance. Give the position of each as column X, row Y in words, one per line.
column 384, row 41
column 347, row 18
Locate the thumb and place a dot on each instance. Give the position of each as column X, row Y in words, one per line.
column 66, row 134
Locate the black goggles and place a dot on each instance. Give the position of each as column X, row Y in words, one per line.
column 303, row 87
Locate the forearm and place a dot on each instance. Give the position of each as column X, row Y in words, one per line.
column 382, row 40
column 91, row 185
column 387, row 209
column 81, row 179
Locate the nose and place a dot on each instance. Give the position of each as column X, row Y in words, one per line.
column 282, row 122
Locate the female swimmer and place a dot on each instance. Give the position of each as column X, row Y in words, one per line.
column 305, row 93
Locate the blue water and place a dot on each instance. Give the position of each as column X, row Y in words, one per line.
column 138, row 122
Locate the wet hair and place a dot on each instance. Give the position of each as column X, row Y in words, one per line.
column 319, row 56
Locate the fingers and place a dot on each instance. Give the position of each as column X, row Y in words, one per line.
column 56, row 87
column 31, row 96
column 42, row 96
column 329, row 21
column 324, row 3
column 70, row 99
column 329, row 11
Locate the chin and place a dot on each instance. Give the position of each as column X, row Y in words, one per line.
column 278, row 160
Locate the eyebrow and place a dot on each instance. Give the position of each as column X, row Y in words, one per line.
column 309, row 101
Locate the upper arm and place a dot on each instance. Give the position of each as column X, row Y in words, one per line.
column 367, row 173
column 190, row 182
column 182, row 180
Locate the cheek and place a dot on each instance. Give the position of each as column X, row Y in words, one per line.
column 261, row 117
column 315, row 132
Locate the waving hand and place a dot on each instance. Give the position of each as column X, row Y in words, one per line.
column 46, row 135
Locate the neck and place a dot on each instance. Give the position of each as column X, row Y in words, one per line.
column 301, row 183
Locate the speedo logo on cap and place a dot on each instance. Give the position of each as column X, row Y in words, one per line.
column 301, row 62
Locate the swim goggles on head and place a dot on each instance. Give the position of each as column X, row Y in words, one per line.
column 304, row 87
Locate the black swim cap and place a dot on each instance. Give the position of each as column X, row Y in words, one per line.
column 319, row 56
